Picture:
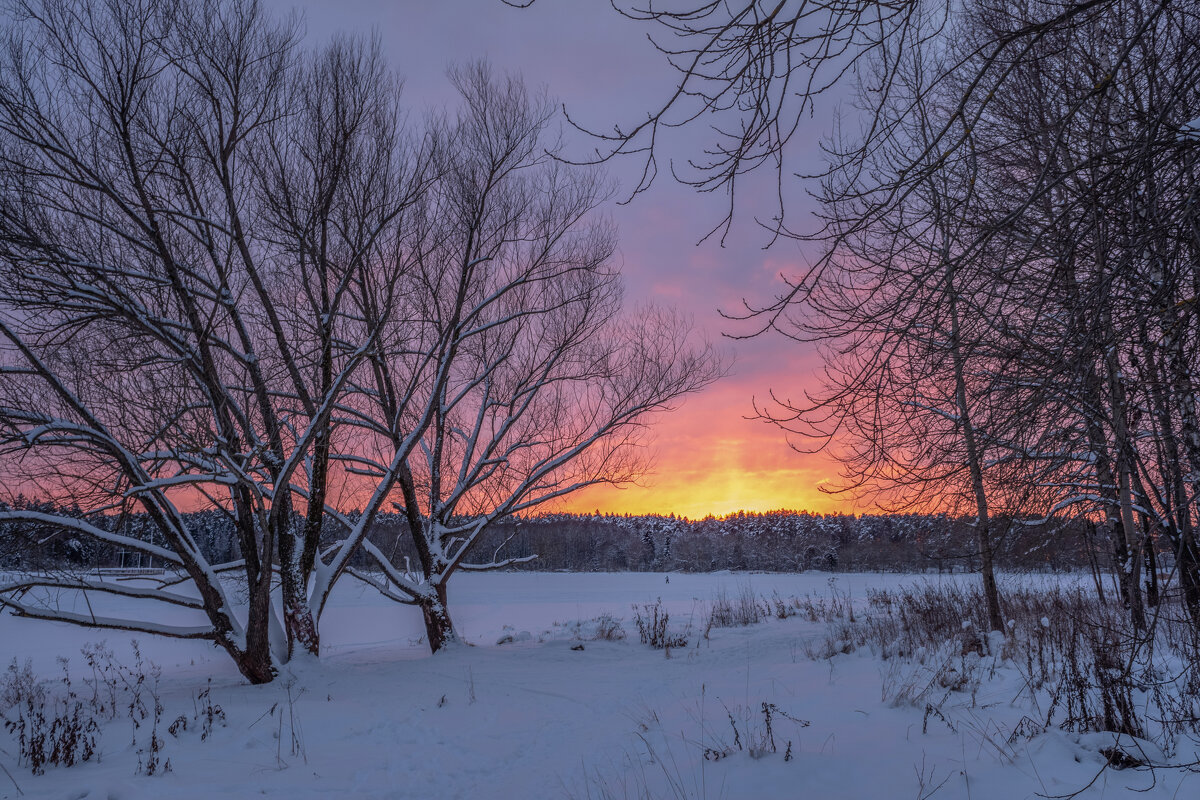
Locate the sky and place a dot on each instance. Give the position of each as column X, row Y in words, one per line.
column 708, row 457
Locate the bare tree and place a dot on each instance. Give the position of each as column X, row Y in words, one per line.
column 1091, row 255
column 749, row 71
column 986, row 304
column 542, row 385
column 187, row 203
column 904, row 320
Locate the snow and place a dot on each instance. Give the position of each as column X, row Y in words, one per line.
column 377, row 717
column 1190, row 130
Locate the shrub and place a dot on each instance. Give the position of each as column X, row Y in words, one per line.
column 55, row 728
column 743, row 609
column 653, row 623
column 1088, row 668
column 607, row 629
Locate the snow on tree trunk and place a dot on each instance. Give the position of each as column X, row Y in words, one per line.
column 439, row 629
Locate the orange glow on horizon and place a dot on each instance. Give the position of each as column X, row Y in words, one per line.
column 709, row 460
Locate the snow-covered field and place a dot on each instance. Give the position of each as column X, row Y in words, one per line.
column 378, row 717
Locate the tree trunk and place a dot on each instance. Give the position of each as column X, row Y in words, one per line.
column 991, row 594
column 1187, row 563
column 1131, row 568
column 1113, row 525
column 299, row 623
column 254, row 660
column 439, row 629
column 301, row 628
column 1178, row 517
column 254, row 663
column 1090, row 535
column 1151, row 564
column 1187, row 567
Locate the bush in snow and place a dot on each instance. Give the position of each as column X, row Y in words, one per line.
column 604, row 628
column 54, row 727
column 1080, row 658
column 742, row 609
column 653, row 622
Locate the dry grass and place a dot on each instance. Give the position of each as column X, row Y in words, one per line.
column 1079, row 658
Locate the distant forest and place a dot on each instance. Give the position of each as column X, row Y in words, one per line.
column 785, row 541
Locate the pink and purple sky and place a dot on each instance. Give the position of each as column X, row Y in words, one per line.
column 709, row 459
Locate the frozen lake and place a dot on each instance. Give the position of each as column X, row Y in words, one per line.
column 359, row 621
column 551, row 716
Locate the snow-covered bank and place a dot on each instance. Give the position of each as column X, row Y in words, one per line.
column 379, row 718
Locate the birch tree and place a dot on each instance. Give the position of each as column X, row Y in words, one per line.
column 1091, row 262
column 904, row 318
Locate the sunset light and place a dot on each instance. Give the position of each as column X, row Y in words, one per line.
column 656, row 399
column 711, row 461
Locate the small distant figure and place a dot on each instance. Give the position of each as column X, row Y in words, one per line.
column 668, row 579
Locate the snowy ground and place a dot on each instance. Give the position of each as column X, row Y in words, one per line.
column 378, row 717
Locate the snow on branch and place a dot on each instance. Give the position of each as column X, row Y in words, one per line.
column 380, row 587
column 22, row 609
column 86, row 528
column 412, row 585
column 508, row 562
column 87, row 584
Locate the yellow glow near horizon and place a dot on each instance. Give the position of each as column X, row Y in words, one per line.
column 709, row 460
column 718, row 494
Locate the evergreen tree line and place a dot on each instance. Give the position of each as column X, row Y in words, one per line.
column 787, row 541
